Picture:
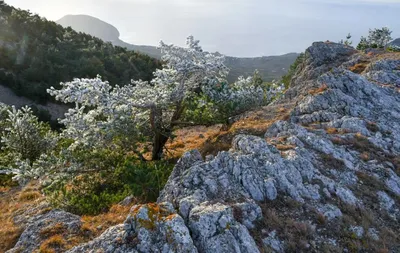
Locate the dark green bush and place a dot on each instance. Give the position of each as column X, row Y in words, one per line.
column 93, row 193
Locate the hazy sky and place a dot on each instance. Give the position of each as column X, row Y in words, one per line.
column 232, row 27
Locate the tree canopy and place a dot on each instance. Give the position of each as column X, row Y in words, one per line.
column 36, row 54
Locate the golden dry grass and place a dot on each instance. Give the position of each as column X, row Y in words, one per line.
column 191, row 138
column 14, row 201
column 55, row 243
column 359, row 67
column 99, row 223
column 318, row 90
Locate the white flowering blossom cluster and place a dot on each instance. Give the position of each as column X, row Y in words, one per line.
column 244, row 93
column 26, row 140
column 25, row 135
column 103, row 113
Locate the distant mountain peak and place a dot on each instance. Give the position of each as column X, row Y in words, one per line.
column 91, row 25
column 270, row 67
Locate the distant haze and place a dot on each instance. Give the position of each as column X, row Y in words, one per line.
column 232, row 27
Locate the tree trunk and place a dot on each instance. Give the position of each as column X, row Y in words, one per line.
column 161, row 135
column 158, row 145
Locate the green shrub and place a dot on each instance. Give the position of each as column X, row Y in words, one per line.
column 202, row 110
column 6, row 181
column 93, row 193
column 144, row 180
column 87, row 194
column 286, row 79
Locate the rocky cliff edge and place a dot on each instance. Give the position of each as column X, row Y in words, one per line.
column 325, row 180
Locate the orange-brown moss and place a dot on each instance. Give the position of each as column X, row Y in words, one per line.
column 359, row 67
column 319, row 90
column 285, row 147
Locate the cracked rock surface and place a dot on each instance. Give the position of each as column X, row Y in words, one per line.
column 337, row 156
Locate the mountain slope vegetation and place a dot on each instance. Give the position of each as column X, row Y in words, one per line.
column 36, row 54
column 270, row 67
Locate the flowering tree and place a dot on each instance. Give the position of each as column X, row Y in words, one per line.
column 24, row 141
column 141, row 109
column 25, row 135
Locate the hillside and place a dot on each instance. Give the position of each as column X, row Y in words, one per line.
column 107, row 32
column 318, row 170
column 36, row 54
column 270, row 67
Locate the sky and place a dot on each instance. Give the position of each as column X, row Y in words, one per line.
column 243, row 28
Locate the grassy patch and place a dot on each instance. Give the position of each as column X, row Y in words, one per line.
column 54, row 244
column 12, row 203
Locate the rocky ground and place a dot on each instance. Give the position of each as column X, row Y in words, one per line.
column 322, row 173
column 8, row 97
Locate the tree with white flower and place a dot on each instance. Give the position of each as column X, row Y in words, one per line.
column 133, row 112
column 25, row 135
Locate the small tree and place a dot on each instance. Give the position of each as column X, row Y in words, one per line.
column 140, row 110
column 363, row 44
column 347, row 42
column 25, row 135
column 377, row 38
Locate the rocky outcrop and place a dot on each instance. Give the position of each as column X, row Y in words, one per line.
column 325, row 180
column 42, row 226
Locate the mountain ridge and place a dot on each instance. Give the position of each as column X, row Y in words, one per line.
column 323, row 175
column 270, row 67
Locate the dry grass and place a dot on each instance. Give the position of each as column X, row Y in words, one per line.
column 332, row 130
column 30, row 195
column 331, row 162
column 318, row 90
column 191, row 138
column 55, row 243
column 15, row 201
column 285, row 147
column 49, row 231
column 359, row 67
column 99, row 223
column 295, row 233
column 58, row 238
column 365, row 156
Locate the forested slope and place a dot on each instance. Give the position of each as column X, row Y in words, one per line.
column 36, row 54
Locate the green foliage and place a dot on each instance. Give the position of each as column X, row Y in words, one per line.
column 144, row 180
column 25, row 135
column 377, row 38
column 87, row 194
column 6, row 181
column 110, row 177
column 363, row 44
column 393, row 49
column 286, row 79
column 33, row 60
column 201, row 109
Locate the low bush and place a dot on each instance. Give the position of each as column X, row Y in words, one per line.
column 93, row 193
